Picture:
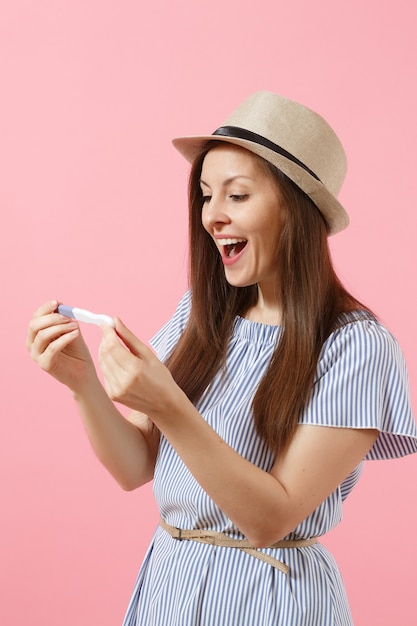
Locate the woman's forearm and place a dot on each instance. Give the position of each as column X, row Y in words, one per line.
column 120, row 446
column 247, row 495
column 265, row 506
column 137, row 379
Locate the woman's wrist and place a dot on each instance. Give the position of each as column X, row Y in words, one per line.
column 88, row 388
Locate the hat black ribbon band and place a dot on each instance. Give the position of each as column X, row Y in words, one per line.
column 241, row 133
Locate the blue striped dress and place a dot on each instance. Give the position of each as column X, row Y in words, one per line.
column 361, row 382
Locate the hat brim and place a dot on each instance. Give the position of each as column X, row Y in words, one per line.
column 333, row 212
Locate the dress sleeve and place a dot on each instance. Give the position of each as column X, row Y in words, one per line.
column 362, row 382
column 165, row 339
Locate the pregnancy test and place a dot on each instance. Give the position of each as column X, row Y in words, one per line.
column 82, row 315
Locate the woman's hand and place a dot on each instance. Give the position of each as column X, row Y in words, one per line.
column 126, row 447
column 133, row 375
column 56, row 345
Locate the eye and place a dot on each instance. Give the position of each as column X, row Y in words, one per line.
column 239, row 197
column 206, row 199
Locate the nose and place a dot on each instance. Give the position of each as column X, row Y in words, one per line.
column 214, row 214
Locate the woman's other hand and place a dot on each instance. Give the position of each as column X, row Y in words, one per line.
column 133, row 375
column 57, row 346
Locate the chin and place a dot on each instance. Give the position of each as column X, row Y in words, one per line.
column 240, row 283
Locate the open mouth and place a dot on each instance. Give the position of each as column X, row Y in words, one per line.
column 232, row 247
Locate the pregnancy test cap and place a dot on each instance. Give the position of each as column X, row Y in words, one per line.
column 82, row 315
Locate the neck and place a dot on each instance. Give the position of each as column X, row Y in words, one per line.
column 267, row 310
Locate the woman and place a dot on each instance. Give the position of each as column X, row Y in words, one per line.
column 272, row 384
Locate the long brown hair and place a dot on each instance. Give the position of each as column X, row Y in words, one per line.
column 312, row 299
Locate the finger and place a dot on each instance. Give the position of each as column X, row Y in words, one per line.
column 119, row 366
column 41, row 321
column 115, row 364
column 114, row 357
column 135, row 345
column 50, row 334
column 48, row 307
column 48, row 360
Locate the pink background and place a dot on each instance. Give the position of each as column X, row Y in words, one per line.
column 93, row 205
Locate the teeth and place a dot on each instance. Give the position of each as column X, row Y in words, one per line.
column 231, row 242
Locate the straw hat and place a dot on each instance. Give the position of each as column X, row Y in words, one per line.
column 292, row 137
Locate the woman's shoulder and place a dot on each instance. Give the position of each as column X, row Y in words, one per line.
column 361, row 381
column 361, row 347
column 360, row 331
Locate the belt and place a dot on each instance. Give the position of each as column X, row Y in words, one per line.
column 215, row 538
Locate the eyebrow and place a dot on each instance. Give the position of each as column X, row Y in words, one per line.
column 228, row 180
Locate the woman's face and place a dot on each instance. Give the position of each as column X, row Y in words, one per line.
column 243, row 211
